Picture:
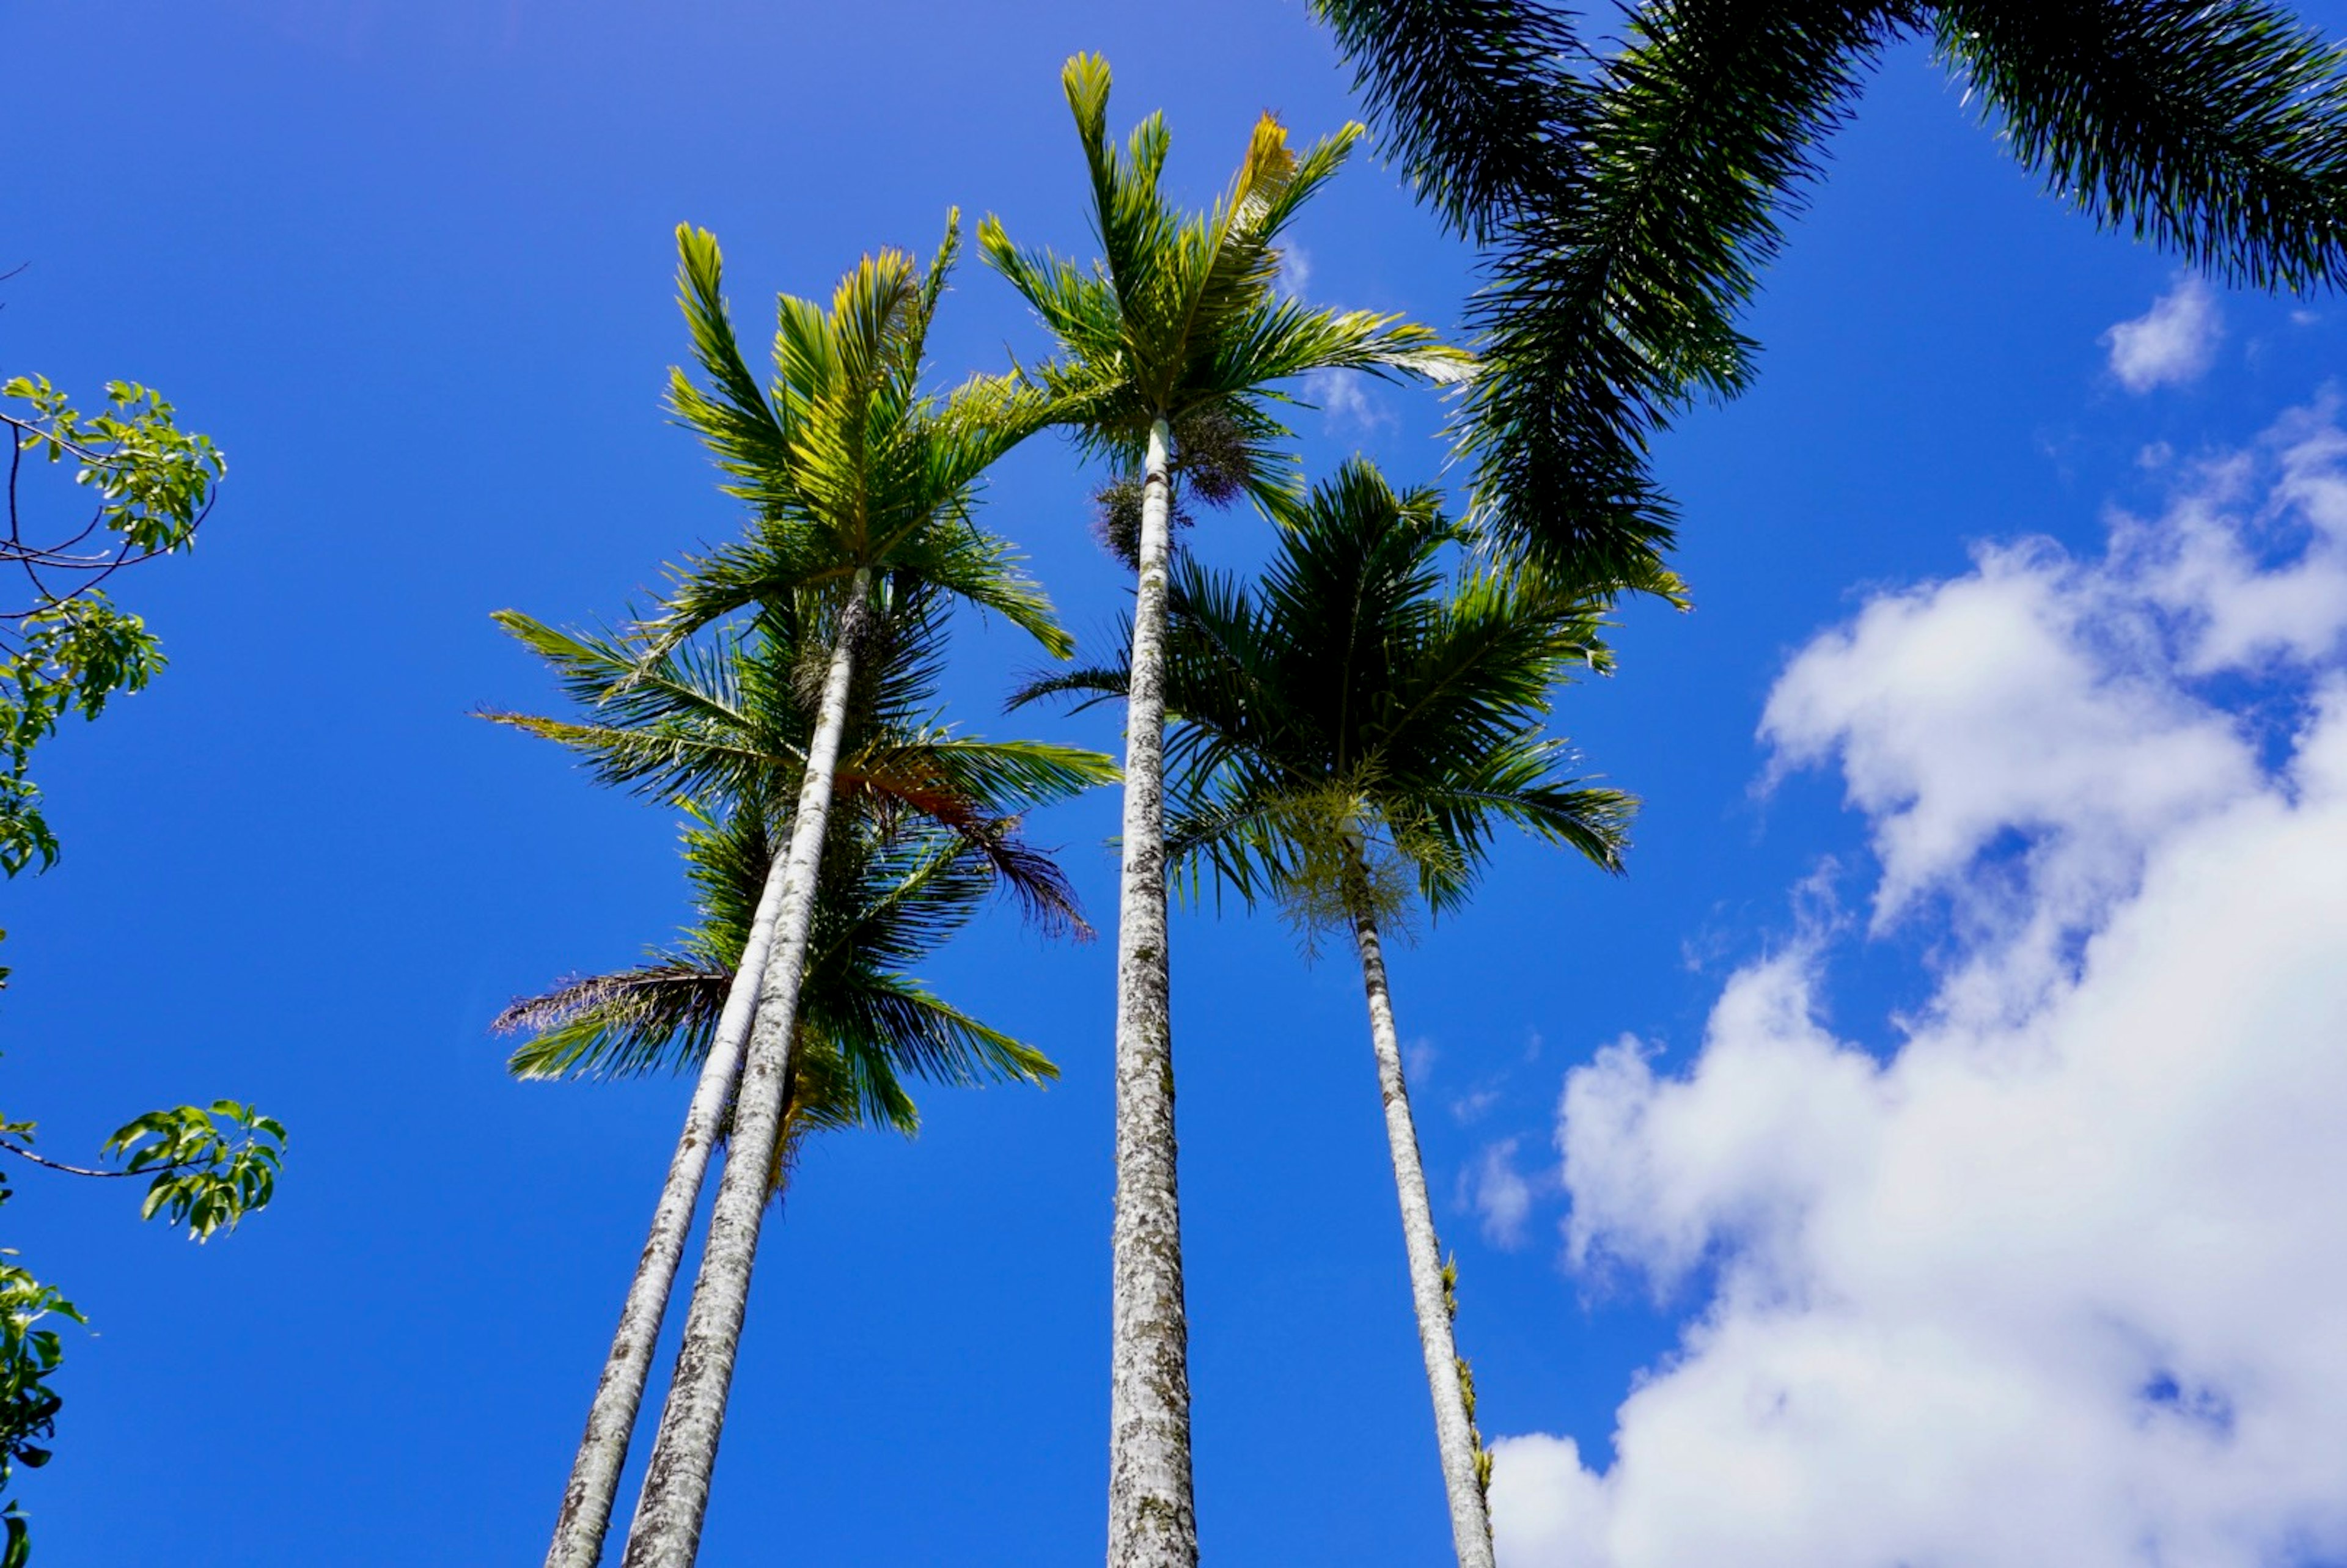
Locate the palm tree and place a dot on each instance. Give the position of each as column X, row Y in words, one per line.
column 1345, row 739
column 1629, row 203
column 890, row 892
column 729, row 718
column 861, row 485
column 1167, row 349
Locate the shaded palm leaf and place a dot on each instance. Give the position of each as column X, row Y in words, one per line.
column 1632, row 202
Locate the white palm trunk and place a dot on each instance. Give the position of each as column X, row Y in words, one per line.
column 587, row 1501
column 1454, row 1430
column 667, row 1528
column 1151, row 1520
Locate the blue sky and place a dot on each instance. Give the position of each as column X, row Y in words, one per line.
column 411, row 266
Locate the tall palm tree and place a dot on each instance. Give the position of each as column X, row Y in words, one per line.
column 861, row 484
column 1168, row 348
column 1629, row 202
column 729, row 718
column 1346, row 739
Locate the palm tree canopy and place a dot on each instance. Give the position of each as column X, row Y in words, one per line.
column 1364, row 706
column 1181, row 318
column 728, row 716
column 849, row 466
column 887, row 896
column 1632, row 201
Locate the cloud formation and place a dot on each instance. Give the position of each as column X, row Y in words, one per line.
column 1344, row 400
column 1501, row 1196
column 1294, row 268
column 2173, row 343
column 2058, row 1281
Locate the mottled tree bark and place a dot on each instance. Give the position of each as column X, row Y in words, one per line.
column 667, row 1528
column 1454, row 1430
column 1151, row 1520
column 603, row 1452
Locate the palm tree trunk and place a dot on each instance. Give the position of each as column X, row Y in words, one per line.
column 1151, row 1520
column 1454, row 1430
column 586, row 1513
column 667, row 1528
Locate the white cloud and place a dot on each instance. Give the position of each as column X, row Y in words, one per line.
column 2169, row 345
column 2211, row 559
column 1501, row 1195
column 1474, row 1106
column 1344, row 399
column 2058, row 1281
column 1418, row 1060
column 1294, row 268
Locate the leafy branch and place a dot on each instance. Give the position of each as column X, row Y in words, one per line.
column 65, row 648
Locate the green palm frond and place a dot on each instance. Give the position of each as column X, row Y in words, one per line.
column 1614, row 304
column 887, row 898
column 2217, row 131
column 661, row 1013
column 847, row 464
column 729, row 715
column 1180, row 319
column 1350, row 733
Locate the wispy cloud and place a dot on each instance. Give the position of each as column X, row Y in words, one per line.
column 2173, row 343
column 1345, row 401
column 1502, row 1196
column 1418, row 1060
column 1473, row 1106
column 1294, row 268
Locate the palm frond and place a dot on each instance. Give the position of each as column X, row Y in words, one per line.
column 660, row 1014
column 1354, row 728
column 1475, row 98
column 1181, row 320
column 2216, row 131
column 1631, row 203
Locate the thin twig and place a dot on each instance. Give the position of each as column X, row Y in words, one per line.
column 79, row 1169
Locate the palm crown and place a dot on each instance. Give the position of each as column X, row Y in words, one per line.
column 1181, row 320
column 1356, row 716
column 728, row 718
column 849, row 466
column 887, row 898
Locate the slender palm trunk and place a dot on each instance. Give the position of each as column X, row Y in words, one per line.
column 667, row 1528
column 1454, row 1430
column 1151, row 1520
column 595, row 1475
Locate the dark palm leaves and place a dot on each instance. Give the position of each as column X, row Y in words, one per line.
column 1471, row 98
column 1358, row 705
column 2218, row 130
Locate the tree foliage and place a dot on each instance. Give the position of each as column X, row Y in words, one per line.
column 1630, row 200
column 1181, row 318
column 141, row 488
column 207, row 1168
column 1346, row 734
column 64, row 646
